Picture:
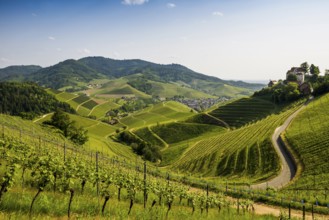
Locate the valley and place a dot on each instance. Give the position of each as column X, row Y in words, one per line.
column 226, row 151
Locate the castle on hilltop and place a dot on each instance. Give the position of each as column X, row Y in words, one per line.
column 299, row 72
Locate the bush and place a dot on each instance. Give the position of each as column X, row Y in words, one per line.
column 140, row 147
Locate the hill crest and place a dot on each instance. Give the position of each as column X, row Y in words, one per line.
column 77, row 75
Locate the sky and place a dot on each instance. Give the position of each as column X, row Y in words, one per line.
column 229, row 39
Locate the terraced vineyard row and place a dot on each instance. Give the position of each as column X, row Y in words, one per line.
column 204, row 118
column 308, row 135
column 243, row 111
column 85, row 105
column 234, row 153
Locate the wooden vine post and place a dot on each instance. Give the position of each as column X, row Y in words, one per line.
column 145, row 193
column 207, row 205
column 64, row 152
column 97, row 181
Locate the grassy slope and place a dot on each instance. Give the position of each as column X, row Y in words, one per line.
column 160, row 113
column 98, row 133
column 100, row 110
column 308, row 135
column 118, row 87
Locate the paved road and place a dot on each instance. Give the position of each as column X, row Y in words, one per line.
column 288, row 167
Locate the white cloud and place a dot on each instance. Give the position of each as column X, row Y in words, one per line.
column 51, row 38
column 171, row 5
column 217, row 13
column 34, row 14
column 59, row 49
column 134, row 2
column 85, row 51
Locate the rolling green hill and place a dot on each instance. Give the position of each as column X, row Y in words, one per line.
column 158, row 80
column 68, row 74
column 308, row 136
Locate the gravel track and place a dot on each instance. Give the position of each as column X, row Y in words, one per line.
column 288, row 166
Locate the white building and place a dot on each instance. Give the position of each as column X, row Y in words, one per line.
column 298, row 72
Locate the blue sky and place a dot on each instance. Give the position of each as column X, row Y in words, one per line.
column 230, row 39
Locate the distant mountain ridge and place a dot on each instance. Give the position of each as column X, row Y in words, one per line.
column 78, row 73
column 17, row 72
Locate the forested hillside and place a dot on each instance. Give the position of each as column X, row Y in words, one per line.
column 28, row 100
column 66, row 73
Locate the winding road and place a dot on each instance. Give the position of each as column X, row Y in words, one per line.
column 288, row 166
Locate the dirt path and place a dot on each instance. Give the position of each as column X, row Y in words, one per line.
column 288, row 167
column 42, row 117
column 263, row 209
column 159, row 138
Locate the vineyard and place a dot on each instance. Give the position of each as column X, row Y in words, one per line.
column 89, row 183
column 308, row 135
column 243, row 154
column 95, row 203
column 86, row 105
column 244, row 111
